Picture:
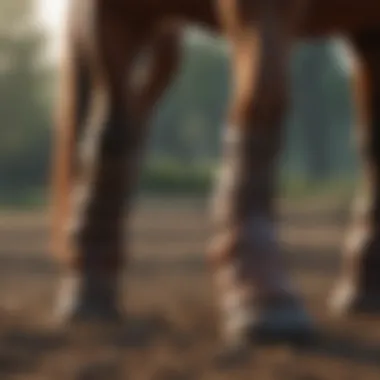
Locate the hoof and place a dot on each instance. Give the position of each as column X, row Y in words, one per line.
column 88, row 299
column 282, row 323
column 84, row 312
column 288, row 323
column 347, row 301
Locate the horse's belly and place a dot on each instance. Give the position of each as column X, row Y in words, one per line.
column 340, row 16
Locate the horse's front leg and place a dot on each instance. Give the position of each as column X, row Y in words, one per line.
column 256, row 294
column 98, row 173
column 359, row 286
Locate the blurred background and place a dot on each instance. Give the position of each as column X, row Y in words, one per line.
column 318, row 155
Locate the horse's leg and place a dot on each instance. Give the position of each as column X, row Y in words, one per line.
column 257, row 298
column 359, row 287
column 74, row 99
column 106, row 162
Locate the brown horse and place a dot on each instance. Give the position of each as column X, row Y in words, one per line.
column 103, row 124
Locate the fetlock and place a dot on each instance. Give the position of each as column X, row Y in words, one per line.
column 89, row 296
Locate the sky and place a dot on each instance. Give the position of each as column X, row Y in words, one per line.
column 51, row 12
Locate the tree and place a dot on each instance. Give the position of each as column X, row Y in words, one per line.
column 24, row 142
column 312, row 109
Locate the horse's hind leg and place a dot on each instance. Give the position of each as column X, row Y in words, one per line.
column 359, row 287
column 105, row 166
column 257, row 299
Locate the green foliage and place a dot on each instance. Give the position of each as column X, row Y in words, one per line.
column 168, row 177
column 188, row 123
column 24, row 142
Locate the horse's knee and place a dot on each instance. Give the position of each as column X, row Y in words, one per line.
column 264, row 107
column 114, row 139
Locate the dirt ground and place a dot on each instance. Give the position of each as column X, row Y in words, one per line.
column 171, row 331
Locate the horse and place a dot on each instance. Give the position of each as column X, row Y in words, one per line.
column 103, row 124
